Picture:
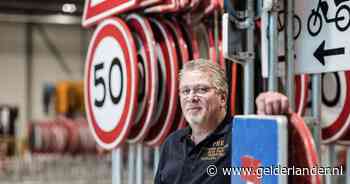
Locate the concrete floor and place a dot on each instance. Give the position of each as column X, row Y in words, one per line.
column 48, row 169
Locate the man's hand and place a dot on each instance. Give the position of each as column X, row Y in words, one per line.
column 272, row 103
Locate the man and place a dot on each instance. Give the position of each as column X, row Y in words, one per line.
column 187, row 153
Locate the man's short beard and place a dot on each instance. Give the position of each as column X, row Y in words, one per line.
column 197, row 120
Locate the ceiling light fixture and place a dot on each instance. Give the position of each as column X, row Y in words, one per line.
column 69, row 8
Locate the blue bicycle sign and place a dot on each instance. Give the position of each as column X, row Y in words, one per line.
column 341, row 19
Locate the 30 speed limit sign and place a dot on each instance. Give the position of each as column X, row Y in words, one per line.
column 111, row 82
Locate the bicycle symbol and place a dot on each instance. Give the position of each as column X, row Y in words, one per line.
column 341, row 19
column 297, row 24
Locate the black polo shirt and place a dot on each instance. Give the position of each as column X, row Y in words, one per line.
column 183, row 162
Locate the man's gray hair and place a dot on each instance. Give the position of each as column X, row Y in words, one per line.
column 217, row 74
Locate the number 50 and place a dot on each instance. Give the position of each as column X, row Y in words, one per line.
column 100, row 81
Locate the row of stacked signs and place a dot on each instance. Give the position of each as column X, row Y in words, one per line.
column 68, row 132
column 335, row 107
column 62, row 135
column 160, row 46
column 132, row 72
column 144, row 55
column 335, row 101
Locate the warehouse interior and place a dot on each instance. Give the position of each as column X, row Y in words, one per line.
column 46, row 135
column 42, row 43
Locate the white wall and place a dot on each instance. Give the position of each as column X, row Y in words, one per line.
column 46, row 68
column 67, row 39
column 13, row 67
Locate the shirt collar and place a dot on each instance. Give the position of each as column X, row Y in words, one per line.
column 223, row 128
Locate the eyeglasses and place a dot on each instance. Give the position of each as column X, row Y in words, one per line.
column 197, row 90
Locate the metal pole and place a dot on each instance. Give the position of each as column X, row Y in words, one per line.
column 84, row 48
column 22, row 130
column 316, row 110
column 325, row 162
column 316, row 113
column 289, row 51
column 156, row 160
column 117, row 170
column 273, row 50
column 333, row 157
column 249, row 88
column 29, row 72
column 258, row 9
column 329, row 158
column 139, row 164
column 249, row 66
column 131, row 164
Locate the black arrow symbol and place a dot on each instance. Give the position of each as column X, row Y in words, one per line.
column 321, row 53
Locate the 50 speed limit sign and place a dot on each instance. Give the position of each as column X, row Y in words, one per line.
column 111, row 82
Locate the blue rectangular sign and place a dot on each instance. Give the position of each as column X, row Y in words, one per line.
column 259, row 147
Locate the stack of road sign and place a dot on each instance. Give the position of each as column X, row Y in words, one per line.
column 320, row 48
column 96, row 11
column 61, row 136
column 132, row 65
column 313, row 55
column 301, row 81
column 335, row 107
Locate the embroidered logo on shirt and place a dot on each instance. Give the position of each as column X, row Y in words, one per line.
column 216, row 150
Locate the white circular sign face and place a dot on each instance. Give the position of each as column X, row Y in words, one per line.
column 106, row 66
column 162, row 83
column 166, row 47
column 335, row 107
column 111, row 82
column 332, row 97
column 142, row 57
column 148, row 83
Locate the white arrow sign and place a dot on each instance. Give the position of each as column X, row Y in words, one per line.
column 324, row 41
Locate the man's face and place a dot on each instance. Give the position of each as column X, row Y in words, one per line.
column 200, row 101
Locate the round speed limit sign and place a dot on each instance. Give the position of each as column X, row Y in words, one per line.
column 111, row 82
